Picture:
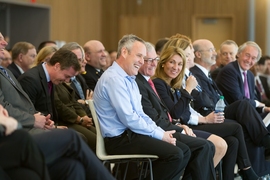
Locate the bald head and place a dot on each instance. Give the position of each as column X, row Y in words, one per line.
column 205, row 53
column 95, row 54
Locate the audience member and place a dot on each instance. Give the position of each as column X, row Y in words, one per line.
column 113, row 55
column 46, row 43
column 82, row 91
column 228, row 51
column 255, row 132
column 70, row 111
column 20, row 157
column 262, row 91
column 179, row 106
column 66, row 158
column 159, row 45
column 6, row 60
column 23, row 56
column 109, row 61
column 125, row 127
column 261, row 65
column 39, row 81
column 154, row 107
column 45, row 54
column 96, row 60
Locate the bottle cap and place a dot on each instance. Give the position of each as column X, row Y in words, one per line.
column 221, row 97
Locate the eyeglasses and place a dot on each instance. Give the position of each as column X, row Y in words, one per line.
column 210, row 50
column 150, row 60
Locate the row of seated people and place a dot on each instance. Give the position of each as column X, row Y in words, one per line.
column 61, row 154
column 30, row 77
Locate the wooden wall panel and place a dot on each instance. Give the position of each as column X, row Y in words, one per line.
column 82, row 20
column 174, row 16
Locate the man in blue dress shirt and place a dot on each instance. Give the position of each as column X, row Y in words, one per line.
column 124, row 125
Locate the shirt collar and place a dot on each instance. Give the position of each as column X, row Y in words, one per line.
column 46, row 72
column 204, row 70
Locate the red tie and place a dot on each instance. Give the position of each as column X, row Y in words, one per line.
column 50, row 86
column 154, row 89
column 260, row 88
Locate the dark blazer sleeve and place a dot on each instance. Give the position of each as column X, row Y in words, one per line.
column 153, row 107
column 177, row 107
column 67, row 107
column 230, row 83
column 204, row 102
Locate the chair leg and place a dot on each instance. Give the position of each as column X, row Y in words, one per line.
column 150, row 168
column 141, row 171
column 126, row 171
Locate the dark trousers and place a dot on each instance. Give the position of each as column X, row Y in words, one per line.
column 200, row 165
column 172, row 159
column 20, row 158
column 251, row 121
column 254, row 131
column 68, row 157
column 232, row 133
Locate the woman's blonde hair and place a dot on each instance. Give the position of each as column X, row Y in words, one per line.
column 166, row 56
column 44, row 53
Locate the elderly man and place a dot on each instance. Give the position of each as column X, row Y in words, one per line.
column 96, row 61
column 23, row 56
column 228, row 51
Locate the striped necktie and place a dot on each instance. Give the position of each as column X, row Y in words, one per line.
column 6, row 73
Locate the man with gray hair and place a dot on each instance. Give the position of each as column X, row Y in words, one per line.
column 228, row 51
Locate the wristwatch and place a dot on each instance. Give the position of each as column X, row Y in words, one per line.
column 81, row 121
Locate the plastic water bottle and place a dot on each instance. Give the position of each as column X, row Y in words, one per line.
column 220, row 106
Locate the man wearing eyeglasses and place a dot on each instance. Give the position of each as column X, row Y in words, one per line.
column 96, row 61
column 256, row 134
column 228, row 51
column 23, row 56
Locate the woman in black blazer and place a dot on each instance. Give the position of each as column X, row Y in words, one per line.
column 168, row 79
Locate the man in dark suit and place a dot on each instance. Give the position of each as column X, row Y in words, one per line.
column 228, row 51
column 66, row 155
column 254, row 129
column 96, row 60
column 39, row 81
column 158, row 112
column 23, row 57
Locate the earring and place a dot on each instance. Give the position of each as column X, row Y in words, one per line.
column 162, row 66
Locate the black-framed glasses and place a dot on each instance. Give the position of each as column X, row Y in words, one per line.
column 150, row 60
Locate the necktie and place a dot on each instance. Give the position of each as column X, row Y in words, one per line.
column 154, row 89
column 6, row 73
column 261, row 90
column 78, row 87
column 246, row 85
column 50, row 84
